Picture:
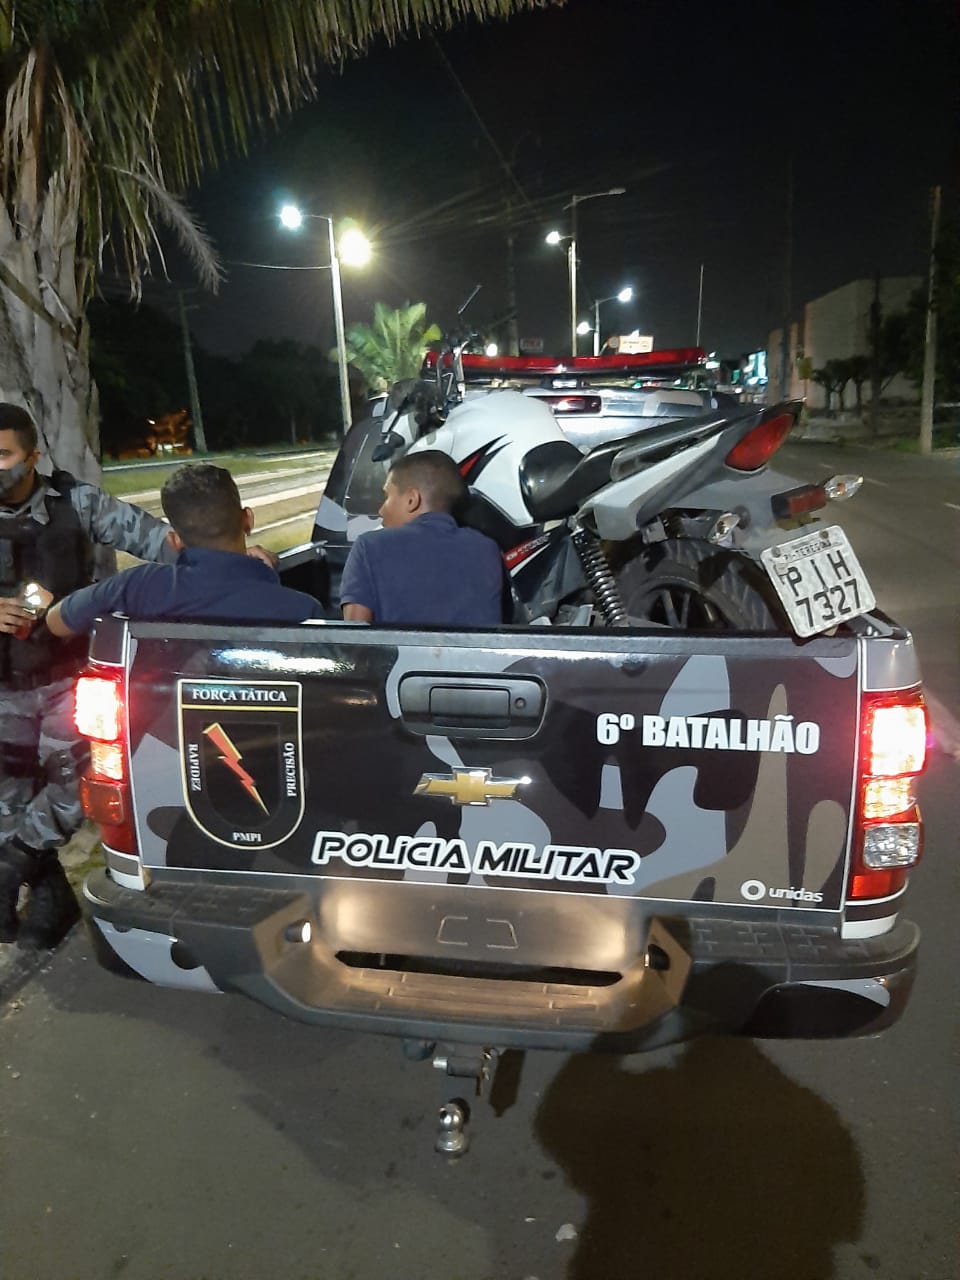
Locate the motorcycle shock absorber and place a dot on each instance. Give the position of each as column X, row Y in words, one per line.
column 599, row 577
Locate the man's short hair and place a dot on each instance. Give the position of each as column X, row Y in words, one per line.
column 203, row 504
column 435, row 474
column 17, row 420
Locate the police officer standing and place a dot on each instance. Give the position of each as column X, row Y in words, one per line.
column 48, row 529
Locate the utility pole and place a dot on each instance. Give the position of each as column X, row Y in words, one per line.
column 699, row 306
column 199, row 439
column 513, row 324
column 930, row 337
column 876, row 356
column 786, row 363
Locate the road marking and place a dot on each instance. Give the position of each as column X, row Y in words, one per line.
column 880, row 483
column 283, row 495
column 952, row 505
column 275, row 524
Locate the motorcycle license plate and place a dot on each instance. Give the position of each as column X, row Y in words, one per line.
column 818, row 579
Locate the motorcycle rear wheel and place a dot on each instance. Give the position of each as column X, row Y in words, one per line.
column 695, row 586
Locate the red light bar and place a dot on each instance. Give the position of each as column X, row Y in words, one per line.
column 541, row 366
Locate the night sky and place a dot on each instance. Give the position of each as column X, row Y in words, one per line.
column 699, row 110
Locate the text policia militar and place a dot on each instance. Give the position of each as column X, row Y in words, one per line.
column 488, row 858
column 712, row 733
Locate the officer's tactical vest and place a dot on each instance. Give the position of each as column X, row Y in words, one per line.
column 59, row 556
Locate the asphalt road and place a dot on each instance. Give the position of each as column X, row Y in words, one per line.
column 150, row 1134
column 905, row 527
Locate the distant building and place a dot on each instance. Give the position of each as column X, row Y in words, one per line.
column 836, row 327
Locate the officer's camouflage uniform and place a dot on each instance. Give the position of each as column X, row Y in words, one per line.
column 50, row 539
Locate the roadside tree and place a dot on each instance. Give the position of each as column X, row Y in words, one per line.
column 111, row 112
column 833, row 377
column 392, row 347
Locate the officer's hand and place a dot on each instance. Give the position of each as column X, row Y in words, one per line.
column 13, row 616
column 261, row 553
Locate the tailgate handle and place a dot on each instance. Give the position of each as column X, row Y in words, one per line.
column 466, row 706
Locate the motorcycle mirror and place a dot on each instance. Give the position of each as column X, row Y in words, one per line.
column 473, row 293
column 385, row 450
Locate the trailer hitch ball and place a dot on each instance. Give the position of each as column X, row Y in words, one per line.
column 452, row 1138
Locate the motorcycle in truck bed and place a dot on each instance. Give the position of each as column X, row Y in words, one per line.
column 551, row 838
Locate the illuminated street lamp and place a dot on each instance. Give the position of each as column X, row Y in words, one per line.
column 355, row 251
column 554, row 237
column 623, row 296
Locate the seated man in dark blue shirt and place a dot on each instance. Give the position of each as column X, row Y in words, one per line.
column 421, row 567
column 213, row 576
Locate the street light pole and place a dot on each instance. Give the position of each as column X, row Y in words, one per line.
column 572, row 253
column 572, row 268
column 624, row 295
column 345, row 413
column 356, row 248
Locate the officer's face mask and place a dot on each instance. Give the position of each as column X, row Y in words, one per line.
column 13, row 476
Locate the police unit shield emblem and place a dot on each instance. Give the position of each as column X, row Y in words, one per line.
column 242, row 754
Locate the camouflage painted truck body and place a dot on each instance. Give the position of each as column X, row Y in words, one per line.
column 531, row 838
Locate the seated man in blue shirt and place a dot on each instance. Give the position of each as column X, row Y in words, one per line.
column 421, row 567
column 213, row 576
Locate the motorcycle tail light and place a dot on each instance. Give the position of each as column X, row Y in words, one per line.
column 759, row 445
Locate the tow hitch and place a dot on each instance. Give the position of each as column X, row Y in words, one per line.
column 462, row 1062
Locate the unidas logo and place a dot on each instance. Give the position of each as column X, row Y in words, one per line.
column 756, row 891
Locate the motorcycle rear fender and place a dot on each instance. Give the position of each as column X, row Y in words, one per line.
column 748, row 496
column 620, row 508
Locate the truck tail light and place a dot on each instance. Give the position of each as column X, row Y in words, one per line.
column 759, row 445
column 104, row 787
column 889, row 830
column 99, row 707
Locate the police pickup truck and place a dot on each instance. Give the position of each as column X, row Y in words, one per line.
column 550, row 838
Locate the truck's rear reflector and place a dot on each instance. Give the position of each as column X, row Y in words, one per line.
column 98, row 711
column 889, row 837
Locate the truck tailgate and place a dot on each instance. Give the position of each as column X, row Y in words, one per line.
column 622, row 770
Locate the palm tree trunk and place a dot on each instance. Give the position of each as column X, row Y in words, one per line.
column 44, row 342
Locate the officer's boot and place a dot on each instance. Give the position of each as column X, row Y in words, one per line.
column 52, row 910
column 16, row 869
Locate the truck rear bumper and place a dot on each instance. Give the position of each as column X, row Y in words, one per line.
column 691, row 976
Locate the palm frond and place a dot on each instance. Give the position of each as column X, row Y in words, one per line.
column 124, row 105
column 193, row 239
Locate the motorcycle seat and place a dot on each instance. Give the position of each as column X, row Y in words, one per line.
column 556, row 477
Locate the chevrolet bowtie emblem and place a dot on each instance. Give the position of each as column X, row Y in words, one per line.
column 468, row 786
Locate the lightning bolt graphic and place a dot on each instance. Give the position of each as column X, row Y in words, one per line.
column 231, row 758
